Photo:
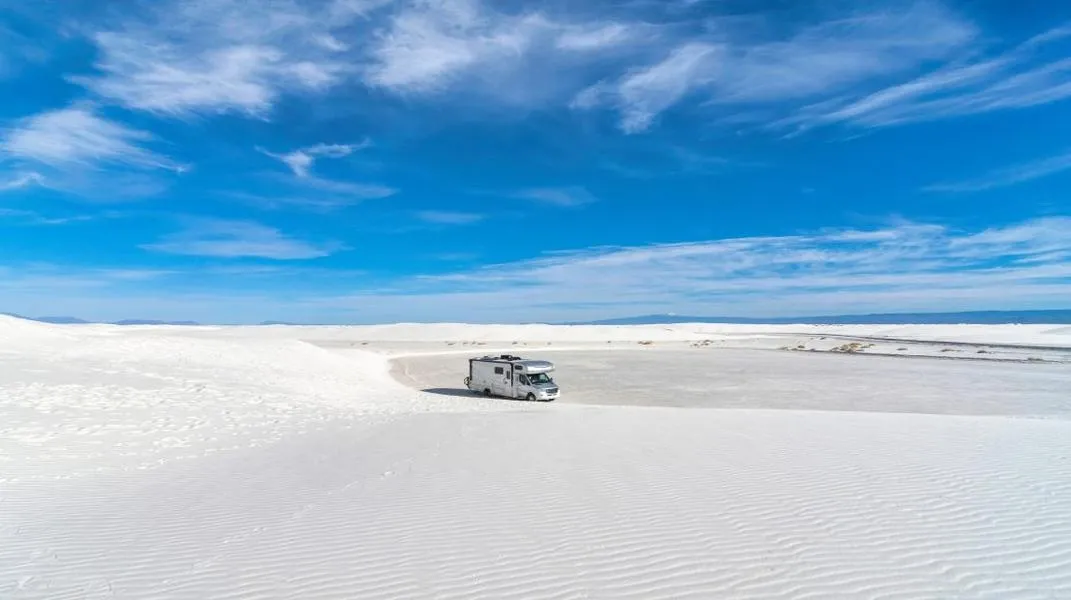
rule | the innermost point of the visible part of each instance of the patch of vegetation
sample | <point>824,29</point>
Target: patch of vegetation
<point>852,347</point>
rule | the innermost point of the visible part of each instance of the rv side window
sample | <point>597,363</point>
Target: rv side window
<point>498,370</point>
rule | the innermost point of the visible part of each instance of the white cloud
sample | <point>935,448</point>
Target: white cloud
<point>77,136</point>
<point>21,181</point>
<point>1009,176</point>
<point>443,217</point>
<point>1020,78</point>
<point>343,11</point>
<point>29,217</point>
<point>301,160</point>
<point>907,267</point>
<point>563,196</point>
<point>428,43</point>
<point>645,94</point>
<point>349,189</point>
<point>831,55</point>
<point>472,48</point>
<point>311,191</point>
<point>214,56</point>
<point>595,37</point>
<point>314,194</point>
<point>733,67</point>
<point>239,239</point>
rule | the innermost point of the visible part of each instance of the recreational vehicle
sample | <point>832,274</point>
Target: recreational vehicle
<point>512,377</point>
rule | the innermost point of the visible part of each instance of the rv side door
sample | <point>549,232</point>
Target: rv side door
<point>501,380</point>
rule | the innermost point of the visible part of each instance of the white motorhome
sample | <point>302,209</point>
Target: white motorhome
<point>512,377</point>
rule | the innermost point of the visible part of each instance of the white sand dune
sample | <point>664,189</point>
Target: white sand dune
<point>157,462</point>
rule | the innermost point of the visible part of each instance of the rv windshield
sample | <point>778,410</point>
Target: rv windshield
<point>537,378</point>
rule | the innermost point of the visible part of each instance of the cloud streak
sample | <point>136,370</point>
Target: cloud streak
<point>442,217</point>
<point>316,192</point>
<point>1009,176</point>
<point>735,68</point>
<point>904,267</point>
<point>301,160</point>
<point>558,196</point>
<point>473,49</point>
<point>239,239</point>
<point>1028,75</point>
<point>21,181</point>
<point>78,136</point>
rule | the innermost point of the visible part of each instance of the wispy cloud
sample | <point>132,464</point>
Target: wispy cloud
<point>904,267</point>
<point>319,193</point>
<point>1009,176</point>
<point>597,36</point>
<point>1023,77</point>
<point>19,49</point>
<point>443,217</point>
<point>301,160</point>
<point>735,67</point>
<point>214,56</point>
<point>472,48</point>
<point>645,94</point>
<point>77,136</point>
<point>558,196</point>
<point>21,181</point>
<point>239,239</point>
<point>33,218</point>
<point>349,189</point>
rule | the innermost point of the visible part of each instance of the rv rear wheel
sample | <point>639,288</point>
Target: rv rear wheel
<point>487,393</point>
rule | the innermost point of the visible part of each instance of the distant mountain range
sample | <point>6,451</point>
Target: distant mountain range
<point>77,321</point>
<point>990,317</point>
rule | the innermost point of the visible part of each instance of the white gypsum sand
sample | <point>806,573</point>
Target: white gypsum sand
<point>287,462</point>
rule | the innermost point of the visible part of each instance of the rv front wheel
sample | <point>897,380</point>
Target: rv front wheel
<point>487,393</point>
<point>530,397</point>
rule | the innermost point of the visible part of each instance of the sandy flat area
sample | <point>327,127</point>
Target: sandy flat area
<point>743,378</point>
<point>276,462</point>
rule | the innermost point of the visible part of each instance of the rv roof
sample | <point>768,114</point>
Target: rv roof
<point>532,366</point>
<point>537,366</point>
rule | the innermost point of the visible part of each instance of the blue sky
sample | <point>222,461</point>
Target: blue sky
<point>377,160</point>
